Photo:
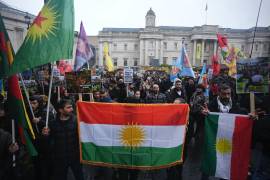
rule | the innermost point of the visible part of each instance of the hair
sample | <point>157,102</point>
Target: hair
<point>63,102</point>
<point>181,100</point>
<point>37,98</point>
<point>223,87</point>
<point>201,87</point>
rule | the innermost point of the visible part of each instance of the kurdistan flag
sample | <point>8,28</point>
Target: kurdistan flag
<point>50,37</point>
<point>132,136</point>
<point>227,145</point>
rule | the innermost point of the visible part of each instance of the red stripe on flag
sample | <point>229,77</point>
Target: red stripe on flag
<point>119,114</point>
<point>241,148</point>
<point>21,134</point>
<point>13,86</point>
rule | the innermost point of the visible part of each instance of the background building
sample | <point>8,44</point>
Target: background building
<point>155,45</point>
<point>152,45</point>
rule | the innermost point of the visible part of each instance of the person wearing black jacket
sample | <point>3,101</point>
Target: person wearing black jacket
<point>63,134</point>
<point>155,96</point>
<point>177,92</point>
<point>42,166</point>
<point>223,104</point>
<point>7,148</point>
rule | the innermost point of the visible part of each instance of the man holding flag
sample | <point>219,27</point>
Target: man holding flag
<point>228,132</point>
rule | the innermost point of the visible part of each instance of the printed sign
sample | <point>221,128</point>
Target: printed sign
<point>78,82</point>
<point>128,75</point>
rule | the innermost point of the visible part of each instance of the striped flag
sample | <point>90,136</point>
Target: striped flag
<point>227,145</point>
<point>18,112</point>
<point>204,80</point>
<point>132,136</point>
<point>185,66</point>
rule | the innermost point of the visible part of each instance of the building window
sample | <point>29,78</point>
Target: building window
<point>114,61</point>
<point>165,60</point>
<point>115,46</point>
<point>125,61</point>
<point>125,47</point>
<point>135,46</point>
<point>175,46</point>
<point>256,47</point>
<point>165,45</point>
<point>242,48</point>
<point>135,61</point>
<point>174,60</point>
<point>264,47</point>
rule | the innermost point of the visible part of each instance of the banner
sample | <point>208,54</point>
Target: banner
<point>198,51</point>
<point>135,136</point>
<point>78,82</point>
<point>253,75</point>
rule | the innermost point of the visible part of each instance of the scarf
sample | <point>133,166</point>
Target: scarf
<point>224,108</point>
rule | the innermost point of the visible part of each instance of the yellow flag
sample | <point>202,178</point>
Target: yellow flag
<point>108,59</point>
<point>198,51</point>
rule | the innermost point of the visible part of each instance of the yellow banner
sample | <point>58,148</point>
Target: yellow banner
<point>198,51</point>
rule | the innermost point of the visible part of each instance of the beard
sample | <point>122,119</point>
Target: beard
<point>225,101</point>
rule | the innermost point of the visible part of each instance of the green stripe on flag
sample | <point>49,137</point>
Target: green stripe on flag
<point>140,156</point>
<point>209,149</point>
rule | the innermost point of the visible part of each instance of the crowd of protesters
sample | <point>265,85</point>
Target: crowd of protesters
<point>58,144</point>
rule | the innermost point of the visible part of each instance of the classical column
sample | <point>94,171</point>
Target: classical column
<point>156,49</point>
<point>194,52</point>
<point>161,52</point>
<point>202,58</point>
<point>215,47</point>
<point>100,61</point>
<point>110,48</point>
<point>261,49</point>
<point>141,53</point>
<point>146,53</point>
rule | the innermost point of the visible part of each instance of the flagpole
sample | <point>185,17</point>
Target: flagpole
<point>13,142</point>
<point>28,101</point>
<point>206,8</point>
<point>254,34</point>
<point>49,96</point>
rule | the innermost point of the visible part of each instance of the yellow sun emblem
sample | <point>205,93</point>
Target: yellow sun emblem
<point>132,135</point>
<point>223,146</point>
<point>44,24</point>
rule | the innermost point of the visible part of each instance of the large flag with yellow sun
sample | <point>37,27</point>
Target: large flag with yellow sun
<point>134,136</point>
<point>49,38</point>
<point>227,145</point>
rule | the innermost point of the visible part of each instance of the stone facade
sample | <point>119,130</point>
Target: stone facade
<point>153,44</point>
<point>141,46</point>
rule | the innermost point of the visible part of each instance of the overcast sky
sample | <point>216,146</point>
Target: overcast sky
<point>97,14</point>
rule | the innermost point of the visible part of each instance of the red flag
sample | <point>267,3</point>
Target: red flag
<point>215,65</point>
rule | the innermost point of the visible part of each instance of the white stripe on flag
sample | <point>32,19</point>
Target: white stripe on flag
<point>225,131</point>
<point>109,135</point>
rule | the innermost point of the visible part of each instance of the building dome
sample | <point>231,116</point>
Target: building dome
<point>150,12</point>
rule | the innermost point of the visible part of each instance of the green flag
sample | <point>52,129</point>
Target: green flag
<point>49,38</point>
<point>6,51</point>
